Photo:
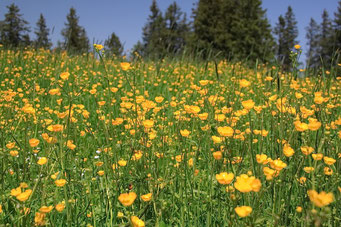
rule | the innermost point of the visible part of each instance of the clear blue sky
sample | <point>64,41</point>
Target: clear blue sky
<point>127,17</point>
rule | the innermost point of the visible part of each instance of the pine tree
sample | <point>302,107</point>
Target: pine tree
<point>113,45</point>
<point>154,32</point>
<point>287,32</point>
<point>326,39</point>
<point>42,33</point>
<point>75,39</point>
<point>14,29</point>
<point>177,29</point>
<point>313,37</point>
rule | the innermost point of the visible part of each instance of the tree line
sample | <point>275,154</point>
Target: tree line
<point>233,29</point>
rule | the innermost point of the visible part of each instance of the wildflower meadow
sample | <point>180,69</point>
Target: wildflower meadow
<point>91,141</point>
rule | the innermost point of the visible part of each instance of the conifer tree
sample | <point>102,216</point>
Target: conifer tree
<point>177,29</point>
<point>238,29</point>
<point>252,34</point>
<point>287,32</point>
<point>75,39</point>
<point>313,38</point>
<point>14,29</point>
<point>326,39</point>
<point>42,33</point>
<point>154,32</point>
<point>209,32</point>
<point>113,45</point>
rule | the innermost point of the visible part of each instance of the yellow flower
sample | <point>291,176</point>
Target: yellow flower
<point>60,207</point>
<point>278,164</point>
<point>217,155</point>
<point>314,124</point>
<point>245,183</point>
<point>300,127</point>
<point>100,173</point>
<point>46,209</point>
<point>33,142</point>
<point>16,191</point>
<point>98,47</point>
<point>10,145</point>
<point>243,211</point>
<point>225,131</point>
<point>224,177</point>
<point>185,133</point>
<point>39,219</point>
<point>307,150</point>
<point>320,199</point>
<point>329,161</point>
<point>60,182</point>
<point>159,99</point>
<point>65,75</point>
<point>1,209</point>
<point>137,222</point>
<point>24,196</point>
<point>122,162</point>
<point>55,128</point>
<point>288,151</point>
<point>54,91</point>
<point>317,157</point>
<point>248,104</point>
<point>297,47</point>
<point>216,139</point>
<point>298,209</point>
<point>146,197</point>
<point>244,83</point>
<point>261,158</point>
<point>120,215</point>
<point>127,199</point>
<point>308,169</point>
<point>148,124</point>
<point>42,161</point>
<point>125,66</point>
<point>14,153</point>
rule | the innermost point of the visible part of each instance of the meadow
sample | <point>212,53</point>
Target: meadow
<point>93,141</point>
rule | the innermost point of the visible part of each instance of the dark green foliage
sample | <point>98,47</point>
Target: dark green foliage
<point>177,30</point>
<point>287,32</point>
<point>14,30</point>
<point>326,39</point>
<point>231,28</point>
<point>313,37</point>
<point>113,45</point>
<point>154,34</point>
<point>42,33</point>
<point>337,28</point>
<point>75,39</point>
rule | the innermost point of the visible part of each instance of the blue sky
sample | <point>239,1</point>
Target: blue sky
<point>127,17</point>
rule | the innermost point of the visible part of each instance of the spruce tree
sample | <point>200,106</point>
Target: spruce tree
<point>154,34</point>
<point>113,45</point>
<point>252,35</point>
<point>231,28</point>
<point>326,39</point>
<point>75,39</point>
<point>14,29</point>
<point>287,32</point>
<point>209,36</point>
<point>42,33</point>
<point>313,38</point>
<point>177,29</point>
